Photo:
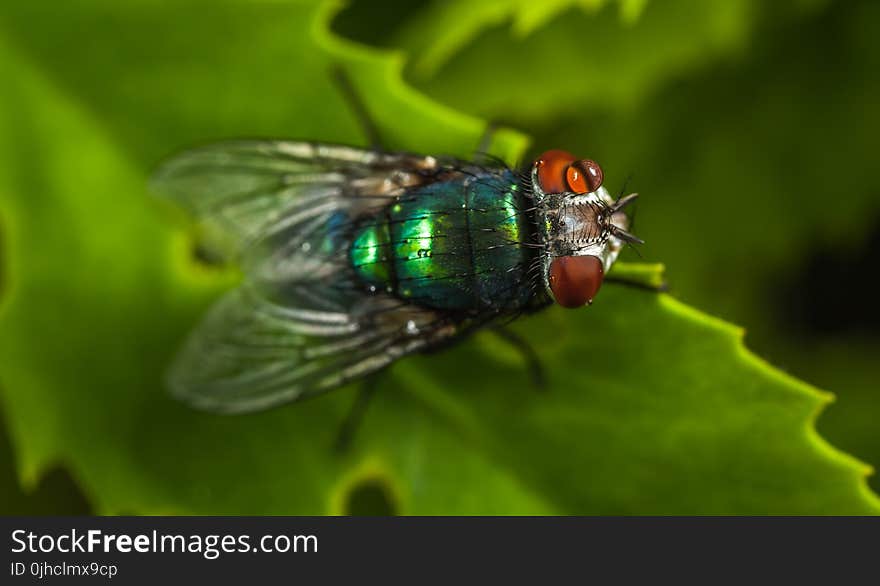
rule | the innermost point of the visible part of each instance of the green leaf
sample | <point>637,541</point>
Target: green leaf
<point>56,494</point>
<point>557,58</point>
<point>755,157</point>
<point>444,28</point>
<point>254,69</point>
<point>652,406</point>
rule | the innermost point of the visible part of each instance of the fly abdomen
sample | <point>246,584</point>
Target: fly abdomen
<point>459,244</point>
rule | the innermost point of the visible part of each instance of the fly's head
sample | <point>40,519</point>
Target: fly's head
<point>581,227</point>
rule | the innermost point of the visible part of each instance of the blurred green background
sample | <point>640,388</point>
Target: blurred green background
<point>750,129</point>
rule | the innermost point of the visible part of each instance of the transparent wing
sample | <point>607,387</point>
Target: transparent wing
<point>250,353</point>
<point>243,192</point>
<point>300,323</point>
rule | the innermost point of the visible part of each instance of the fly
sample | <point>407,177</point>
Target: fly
<point>355,258</point>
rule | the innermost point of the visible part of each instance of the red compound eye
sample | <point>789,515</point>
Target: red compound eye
<point>559,171</point>
<point>551,170</point>
<point>584,176</point>
<point>575,280</point>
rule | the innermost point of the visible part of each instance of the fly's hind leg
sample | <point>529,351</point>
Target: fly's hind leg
<point>349,426</point>
<point>533,362</point>
<point>356,104</point>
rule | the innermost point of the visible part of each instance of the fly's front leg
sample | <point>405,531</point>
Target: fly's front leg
<point>533,362</point>
<point>355,415</point>
<point>356,104</point>
<point>644,276</point>
<point>635,283</point>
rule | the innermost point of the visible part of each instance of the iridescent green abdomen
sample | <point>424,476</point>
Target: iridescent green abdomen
<point>451,245</point>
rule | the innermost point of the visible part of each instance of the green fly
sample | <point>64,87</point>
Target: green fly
<point>355,258</point>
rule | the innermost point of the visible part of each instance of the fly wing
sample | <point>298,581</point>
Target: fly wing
<point>300,323</point>
<point>250,353</point>
<point>242,192</point>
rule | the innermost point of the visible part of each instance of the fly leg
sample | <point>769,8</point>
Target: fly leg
<point>371,131</point>
<point>635,283</point>
<point>482,151</point>
<point>356,412</point>
<point>533,362</point>
<point>351,96</point>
